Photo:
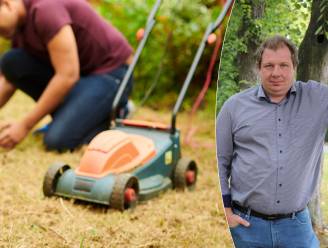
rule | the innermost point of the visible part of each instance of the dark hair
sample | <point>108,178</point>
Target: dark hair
<point>273,43</point>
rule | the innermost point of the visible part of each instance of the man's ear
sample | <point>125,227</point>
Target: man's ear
<point>256,69</point>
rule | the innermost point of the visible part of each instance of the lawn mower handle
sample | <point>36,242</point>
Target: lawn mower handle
<point>210,29</point>
<point>149,26</point>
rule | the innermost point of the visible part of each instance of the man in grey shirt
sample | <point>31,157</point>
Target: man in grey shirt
<point>269,145</point>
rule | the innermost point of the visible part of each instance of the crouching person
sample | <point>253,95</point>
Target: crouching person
<point>69,60</point>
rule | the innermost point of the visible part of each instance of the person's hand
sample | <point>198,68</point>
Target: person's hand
<point>234,219</point>
<point>12,133</point>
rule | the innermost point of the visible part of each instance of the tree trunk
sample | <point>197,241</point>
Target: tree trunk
<point>313,56</point>
<point>313,51</point>
<point>246,61</point>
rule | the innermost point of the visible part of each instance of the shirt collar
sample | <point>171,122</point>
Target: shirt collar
<point>260,93</point>
<point>293,89</point>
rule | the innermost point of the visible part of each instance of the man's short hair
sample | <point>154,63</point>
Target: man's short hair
<point>273,43</point>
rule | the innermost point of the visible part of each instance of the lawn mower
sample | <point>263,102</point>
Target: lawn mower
<point>134,160</point>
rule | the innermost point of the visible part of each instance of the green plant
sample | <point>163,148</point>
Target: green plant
<point>323,19</point>
<point>171,46</point>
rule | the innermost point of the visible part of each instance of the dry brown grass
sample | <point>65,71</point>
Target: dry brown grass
<point>174,219</point>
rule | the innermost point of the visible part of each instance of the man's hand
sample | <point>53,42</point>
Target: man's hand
<point>12,133</point>
<point>235,220</point>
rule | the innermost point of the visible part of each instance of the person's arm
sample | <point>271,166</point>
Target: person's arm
<point>64,58</point>
<point>6,91</point>
<point>224,141</point>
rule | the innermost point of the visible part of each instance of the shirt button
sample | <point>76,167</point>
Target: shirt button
<point>280,135</point>
<point>278,201</point>
<point>279,119</point>
<point>280,184</point>
<point>280,151</point>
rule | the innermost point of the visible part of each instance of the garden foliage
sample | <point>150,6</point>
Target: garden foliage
<point>165,61</point>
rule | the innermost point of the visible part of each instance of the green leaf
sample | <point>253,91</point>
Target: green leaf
<point>297,6</point>
<point>319,30</point>
<point>322,9</point>
<point>320,18</point>
<point>323,3</point>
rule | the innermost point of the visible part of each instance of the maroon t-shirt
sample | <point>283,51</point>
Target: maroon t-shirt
<point>101,47</point>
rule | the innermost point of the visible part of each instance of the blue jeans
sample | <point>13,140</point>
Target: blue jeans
<point>294,232</point>
<point>85,111</point>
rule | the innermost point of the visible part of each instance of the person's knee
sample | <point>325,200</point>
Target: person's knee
<point>52,142</point>
<point>58,142</point>
<point>9,64</point>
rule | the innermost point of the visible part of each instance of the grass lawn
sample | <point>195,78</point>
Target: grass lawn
<point>174,219</point>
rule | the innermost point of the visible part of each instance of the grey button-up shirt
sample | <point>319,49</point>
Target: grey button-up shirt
<point>269,154</point>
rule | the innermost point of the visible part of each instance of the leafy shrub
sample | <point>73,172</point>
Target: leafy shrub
<point>171,46</point>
